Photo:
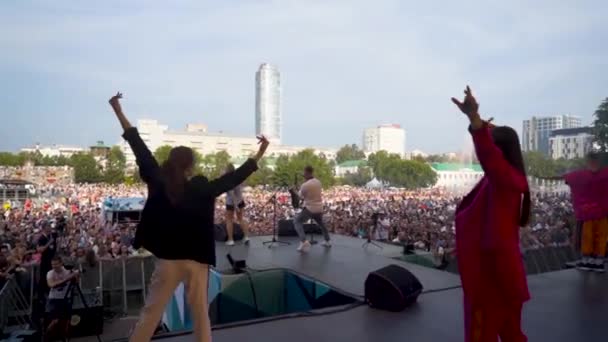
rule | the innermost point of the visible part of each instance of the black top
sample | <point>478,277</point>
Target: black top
<point>185,230</point>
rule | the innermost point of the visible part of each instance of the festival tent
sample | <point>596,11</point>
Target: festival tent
<point>374,184</point>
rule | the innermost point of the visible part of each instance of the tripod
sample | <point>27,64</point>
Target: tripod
<point>69,296</point>
<point>369,239</point>
<point>274,240</point>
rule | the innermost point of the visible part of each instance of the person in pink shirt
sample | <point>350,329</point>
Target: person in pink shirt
<point>589,189</point>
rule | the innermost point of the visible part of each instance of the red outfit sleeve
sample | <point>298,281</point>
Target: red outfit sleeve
<point>494,164</point>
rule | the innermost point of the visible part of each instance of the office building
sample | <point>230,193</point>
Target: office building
<point>389,138</point>
<point>268,103</point>
<point>537,131</point>
<point>570,143</point>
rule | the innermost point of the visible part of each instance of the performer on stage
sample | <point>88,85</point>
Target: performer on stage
<point>311,193</point>
<point>235,203</point>
<point>589,190</point>
<point>487,233</point>
<point>177,227</point>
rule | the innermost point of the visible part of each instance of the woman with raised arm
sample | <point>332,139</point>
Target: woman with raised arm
<point>177,227</point>
<point>487,233</point>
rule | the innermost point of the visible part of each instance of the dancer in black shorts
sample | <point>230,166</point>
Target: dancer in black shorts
<point>235,203</point>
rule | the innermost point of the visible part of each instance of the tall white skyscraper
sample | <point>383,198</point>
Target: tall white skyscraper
<point>537,131</point>
<point>390,138</point>
<point>268,102</point>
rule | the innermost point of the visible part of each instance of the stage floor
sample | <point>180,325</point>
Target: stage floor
<point>567,305</point>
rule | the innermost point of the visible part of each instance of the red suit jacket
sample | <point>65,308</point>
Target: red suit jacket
<point>487,230</point>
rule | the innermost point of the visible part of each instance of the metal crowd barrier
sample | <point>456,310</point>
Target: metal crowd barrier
<point>123,283</point>
<point>15,311</point>
<point>541,260</point>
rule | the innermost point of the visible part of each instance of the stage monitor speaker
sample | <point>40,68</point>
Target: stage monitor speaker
<point>286,228</point>
<point>221,235</point>
<point>391,288</point>
<point>86,321</point>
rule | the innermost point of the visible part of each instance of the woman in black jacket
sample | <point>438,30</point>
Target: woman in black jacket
<point>177,227</point>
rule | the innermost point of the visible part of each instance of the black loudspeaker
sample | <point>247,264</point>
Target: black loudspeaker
<point>221,235</point>
<point>86,322</point>
<point>391,288</point>
<point>286,228</point>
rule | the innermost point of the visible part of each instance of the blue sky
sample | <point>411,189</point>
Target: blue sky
<point>345,65</point>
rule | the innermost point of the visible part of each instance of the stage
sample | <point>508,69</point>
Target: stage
<point>566,305</point>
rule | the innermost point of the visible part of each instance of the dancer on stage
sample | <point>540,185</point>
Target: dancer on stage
<point>177,227</point>
<point>589,190</point>
<point>235,203</point>
<point>311,192</point>
<point>487,233</point>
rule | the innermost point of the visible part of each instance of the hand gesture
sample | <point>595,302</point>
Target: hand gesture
<point>115,100</point>
<point>469,106</point>
<point>263,142</point>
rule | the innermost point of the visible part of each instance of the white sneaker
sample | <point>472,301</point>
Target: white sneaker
<point>230,243</point>
<point>246,240</point>
<point>326,244</point>
<point>304,246</point>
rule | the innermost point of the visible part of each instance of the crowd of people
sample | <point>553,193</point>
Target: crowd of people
<point>424,218</point>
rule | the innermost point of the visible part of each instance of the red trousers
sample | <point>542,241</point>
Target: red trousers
<point>485,323</point>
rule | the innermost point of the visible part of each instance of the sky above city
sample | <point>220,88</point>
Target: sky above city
<point>345,66</point>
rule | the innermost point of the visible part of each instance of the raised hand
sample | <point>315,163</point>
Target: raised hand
<point>115,103</point>
<point>469,106</point>
<point>263,142</point>
<point>115,100</point>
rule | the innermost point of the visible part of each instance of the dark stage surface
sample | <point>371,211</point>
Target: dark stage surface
<point>566,305</point>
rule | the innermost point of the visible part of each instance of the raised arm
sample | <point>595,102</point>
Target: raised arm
<point>491,158</point>
<point>231,180</point>
<point>148,167</point>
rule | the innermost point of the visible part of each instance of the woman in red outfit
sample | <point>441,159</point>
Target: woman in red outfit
<point>487,233</point>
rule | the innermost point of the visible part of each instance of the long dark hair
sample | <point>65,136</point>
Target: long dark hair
<point>506,139</point>
<point>174,172</point>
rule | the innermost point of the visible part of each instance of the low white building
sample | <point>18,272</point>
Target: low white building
<point>457,176</point>
<point>570,143</point>
<point>349,166</point>
<point>54,150</point>
<point>197,137</point>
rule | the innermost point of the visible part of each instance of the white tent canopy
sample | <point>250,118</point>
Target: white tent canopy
<point>374,183</point>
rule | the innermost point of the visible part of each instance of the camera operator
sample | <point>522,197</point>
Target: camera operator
<point>58,305</point>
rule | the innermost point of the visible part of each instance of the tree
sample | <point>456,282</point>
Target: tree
<point>359,178</point>
<point>86,169</point>
<point>162,153</point>
<point>214,165</point>
<point>411,174</point>
<point>10,159</point>
<point>263,176</point>
<point>289,169</point>
<point>600,126</point>
<point>349,152</point>
<point>538,165</point>
<point>115,167</point>
<point>283,175</point>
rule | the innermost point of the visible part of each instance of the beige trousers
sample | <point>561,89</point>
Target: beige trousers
<point>166,277</point>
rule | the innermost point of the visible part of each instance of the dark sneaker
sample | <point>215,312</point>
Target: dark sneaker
<point>598,265</point>
<point>584,265</point>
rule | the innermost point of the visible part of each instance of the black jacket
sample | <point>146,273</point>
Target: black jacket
<point>186,230</point>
